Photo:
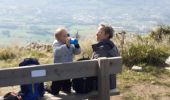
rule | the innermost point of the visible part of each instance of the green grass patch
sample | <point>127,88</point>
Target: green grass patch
<point>6,54</point>
<point>132,96</point>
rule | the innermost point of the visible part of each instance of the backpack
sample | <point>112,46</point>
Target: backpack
<point>31,91</point>
<point>82,85</point>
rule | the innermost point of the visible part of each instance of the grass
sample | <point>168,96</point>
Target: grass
<point>6,54</point>
<point>129,77</point>
<point>10,57</point>
<point>143,51</point>
<point>144,85</point>
<point>132,96</point>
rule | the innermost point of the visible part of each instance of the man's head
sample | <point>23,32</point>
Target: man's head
<point>61,35</point>
<point>104,32</point>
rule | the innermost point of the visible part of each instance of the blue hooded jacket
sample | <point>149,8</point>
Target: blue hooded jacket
<point>31,91</point>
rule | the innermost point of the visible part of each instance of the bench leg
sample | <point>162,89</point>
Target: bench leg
<point>103,79</point>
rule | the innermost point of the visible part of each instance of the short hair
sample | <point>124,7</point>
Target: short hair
<point>108,30</point>
<point>59,31</point>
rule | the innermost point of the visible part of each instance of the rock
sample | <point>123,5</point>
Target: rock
<point>137,68</point>
<point>167,68</point>
<point>168,61</point>
<point>153,82</point>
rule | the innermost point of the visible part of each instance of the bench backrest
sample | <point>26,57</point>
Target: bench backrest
<point>101,67</point>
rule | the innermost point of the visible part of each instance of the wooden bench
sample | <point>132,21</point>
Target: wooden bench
<point>101,67</point>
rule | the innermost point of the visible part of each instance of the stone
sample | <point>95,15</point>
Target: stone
<point>153,82</point>
<point>167,68</point>
<point>137,68</point>
<point>168,61</point>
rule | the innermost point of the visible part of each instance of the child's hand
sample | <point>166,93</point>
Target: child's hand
<point>68,41</point>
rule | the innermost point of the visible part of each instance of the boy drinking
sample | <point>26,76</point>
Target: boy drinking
<point>64,51</point>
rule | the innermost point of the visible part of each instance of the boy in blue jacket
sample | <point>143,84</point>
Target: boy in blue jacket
<point>31,91</point>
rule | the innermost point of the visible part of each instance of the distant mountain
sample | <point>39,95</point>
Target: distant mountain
<point>117,12</point>
<point>131,15</point>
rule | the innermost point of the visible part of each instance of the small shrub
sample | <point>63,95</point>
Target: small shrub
<point>6,54</point>
<point>160,32</point>
<point>86,49</point>
<point>37,54</point>
<point>148,54</point>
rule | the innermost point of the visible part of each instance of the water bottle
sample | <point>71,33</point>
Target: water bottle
<point>73,41</point>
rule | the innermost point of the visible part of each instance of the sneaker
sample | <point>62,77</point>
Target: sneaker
<point>67,92</point>
<point>114,92</point>
<point>49,91</point>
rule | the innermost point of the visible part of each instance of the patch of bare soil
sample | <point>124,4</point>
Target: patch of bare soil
<point>147,91</point>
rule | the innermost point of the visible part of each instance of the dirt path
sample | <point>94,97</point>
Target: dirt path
<point>136,92</point>
<point>140,91</point>
<point>147,91</point>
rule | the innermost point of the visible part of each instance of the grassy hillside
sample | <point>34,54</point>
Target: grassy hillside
<point>149,52</point>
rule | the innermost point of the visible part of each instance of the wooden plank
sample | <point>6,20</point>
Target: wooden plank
<point>18,76</point>
<point>115,64</point>
<point>103,79</point>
